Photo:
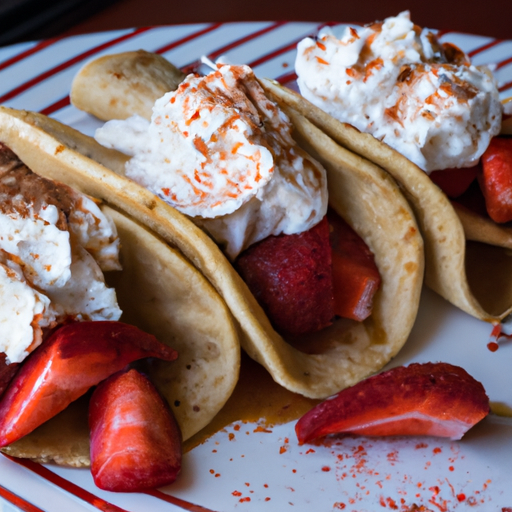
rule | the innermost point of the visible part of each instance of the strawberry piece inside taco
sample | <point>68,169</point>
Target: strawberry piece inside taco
<point>263,184</point>
<point>448,114</point>
<point>220,152</point>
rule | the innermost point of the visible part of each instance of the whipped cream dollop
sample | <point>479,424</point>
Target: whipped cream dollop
<point>219,151</point>
<point>54,245</point>
<point>397,82</point>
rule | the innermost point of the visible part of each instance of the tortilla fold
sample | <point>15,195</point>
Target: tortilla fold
<point>453,268</point>
<point>158,290</point>
<point>346,352</point>
<point>132,79</point>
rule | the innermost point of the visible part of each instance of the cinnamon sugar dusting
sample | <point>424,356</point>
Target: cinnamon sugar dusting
<point>54,242</point>
<point>219,150</point>
<point>420,96</point>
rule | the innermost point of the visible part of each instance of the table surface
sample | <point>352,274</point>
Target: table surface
<point>489,17</point>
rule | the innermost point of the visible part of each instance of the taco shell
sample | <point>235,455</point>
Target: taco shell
<point>347,351</point>
<point>463,273</point>
<point>362,193</point>
<point>132,79</point>
<point>160,292</point>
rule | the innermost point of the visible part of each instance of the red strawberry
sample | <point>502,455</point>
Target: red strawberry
<point>291,278</point>
<point>496,179</point>
<point>73,359</point>
<point>454,182</point>
<point>135,440</point>
<point>473,200</point>
<point>435,399</point>
<point>355,275</point>
<point>7,372</point>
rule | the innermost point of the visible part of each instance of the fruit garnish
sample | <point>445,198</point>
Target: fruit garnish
<point>454,182</point>
<point>431,399</point>
<point>7,372</point>
<point>496,179</point>
<point>473,200</point>
<point>291,277</point>
<point>355,275</point>
<point>69,362</point>
<point>135,440</point>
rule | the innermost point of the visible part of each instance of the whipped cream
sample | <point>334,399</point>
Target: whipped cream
<point>24,313</point>
<point>396,81</point>
<point>53,247</point>
<point>219,151</point>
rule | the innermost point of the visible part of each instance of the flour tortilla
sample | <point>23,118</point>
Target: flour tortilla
<point>108,86</point>
<point>160,292</point>
<point>463,273</point>
<point>363,194</point>
<point>346,352</point>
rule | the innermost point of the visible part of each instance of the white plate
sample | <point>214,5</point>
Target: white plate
<point>244,469</point>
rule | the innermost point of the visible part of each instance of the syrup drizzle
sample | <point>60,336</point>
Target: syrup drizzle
<point>496,336</point>
<point>86,496</point>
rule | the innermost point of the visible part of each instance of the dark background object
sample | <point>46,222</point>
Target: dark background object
<point>488,18</point>
<point>22,20</point>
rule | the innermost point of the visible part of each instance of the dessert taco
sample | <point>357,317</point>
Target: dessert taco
<point>339,352</point>
<point>150,285</point>
<point>424,99</point>
<point>133,79</point>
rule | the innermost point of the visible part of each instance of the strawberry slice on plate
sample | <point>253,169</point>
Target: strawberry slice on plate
<point>433,399</point>
<point>71,360</point>
<point>135,440</point>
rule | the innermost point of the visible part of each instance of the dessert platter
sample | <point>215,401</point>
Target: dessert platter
<point>244,374</point>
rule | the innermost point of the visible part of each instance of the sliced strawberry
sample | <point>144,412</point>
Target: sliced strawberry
<point>291,277</point>
<point>454,182</point>
<point>69,362</point>
<point>7,372</point>
<point>473,200</point>
<point>496,179</point>
<point>434,399</point>
<point>135,440</point>
<point>355,275</point>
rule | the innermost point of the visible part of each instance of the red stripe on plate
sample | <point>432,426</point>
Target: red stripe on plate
<point>245,39</point>
<point>184,40</point>
<point>64,102</point>
<point>90,498</point>
<point>503,63</point>
<point>192,67</point>
<point>27,53</point>
<point>289,77</point>
<point>47,74</point>
<point>286,48</point>
<point>17,501</point>
<point>177,501</point>
<point>50,109</point>
<point>481,49</point>
<point>504,87</point>
<point>66,485</point>
<point>273,54</point>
